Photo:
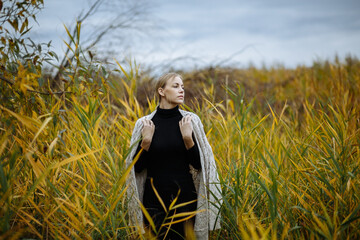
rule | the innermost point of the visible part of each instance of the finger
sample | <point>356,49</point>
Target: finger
<point>182,122</point>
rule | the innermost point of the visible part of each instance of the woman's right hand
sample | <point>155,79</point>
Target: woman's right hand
<point>147,133</point>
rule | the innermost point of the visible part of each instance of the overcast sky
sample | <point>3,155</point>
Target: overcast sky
<point>199,33</point>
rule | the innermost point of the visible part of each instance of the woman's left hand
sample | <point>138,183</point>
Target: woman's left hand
<point>186,130</point>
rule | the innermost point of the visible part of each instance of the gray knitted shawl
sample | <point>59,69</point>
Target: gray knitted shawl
<point>206,181</point>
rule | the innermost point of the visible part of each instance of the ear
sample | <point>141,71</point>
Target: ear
<point>161,92</point>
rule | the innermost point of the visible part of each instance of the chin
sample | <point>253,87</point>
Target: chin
<point>178,102</point>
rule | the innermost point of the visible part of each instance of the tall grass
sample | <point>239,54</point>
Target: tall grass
<point>288,155</point>
<point>282,181</point>
<point>285,183</point>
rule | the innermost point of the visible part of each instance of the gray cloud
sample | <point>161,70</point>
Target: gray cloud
<point>291,32</point>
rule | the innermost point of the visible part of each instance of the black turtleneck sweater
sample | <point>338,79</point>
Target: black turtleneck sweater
<point>167,161</point>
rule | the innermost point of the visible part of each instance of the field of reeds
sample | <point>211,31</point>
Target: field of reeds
<point>286,143</point>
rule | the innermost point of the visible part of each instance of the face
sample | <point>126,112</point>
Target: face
<point>173,93</point>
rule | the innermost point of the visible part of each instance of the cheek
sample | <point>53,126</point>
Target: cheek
<point>170,93</point>
<point>173,92</point>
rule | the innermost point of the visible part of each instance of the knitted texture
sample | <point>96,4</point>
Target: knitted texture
<point>206,181</point>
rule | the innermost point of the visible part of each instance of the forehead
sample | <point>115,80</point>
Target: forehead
<point>175,80</point>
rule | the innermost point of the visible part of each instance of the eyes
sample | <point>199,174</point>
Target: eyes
<point>177,86</point>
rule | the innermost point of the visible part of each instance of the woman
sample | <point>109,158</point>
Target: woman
<point>177,161</point>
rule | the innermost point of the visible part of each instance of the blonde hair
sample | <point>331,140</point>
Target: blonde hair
<point>161,83</point>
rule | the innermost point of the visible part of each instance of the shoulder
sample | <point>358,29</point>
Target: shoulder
<point>139,122</point>
<point>194,116</point>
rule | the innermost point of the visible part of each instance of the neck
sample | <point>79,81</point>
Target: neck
<point>166,105</point>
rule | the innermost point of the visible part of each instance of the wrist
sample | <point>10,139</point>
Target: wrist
<point>145,144</point>
<point>189,142</point>
<point>146,140</point>
<point>187,138</point>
